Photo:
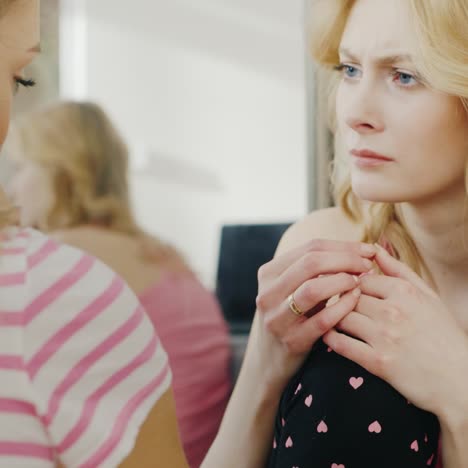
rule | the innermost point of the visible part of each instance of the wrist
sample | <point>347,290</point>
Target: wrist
<point>453,413</point>
<point>454,418</point>
<point>264,382</point>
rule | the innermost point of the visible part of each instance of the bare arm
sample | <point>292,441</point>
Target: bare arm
<point>279,342</point>
<point>158,444</point>
<point>247,426</point>
<point>454,430</point>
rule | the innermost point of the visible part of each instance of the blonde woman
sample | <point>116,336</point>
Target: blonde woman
<point>401,122</point>
<point>72,183</point>
<point>84,381</point>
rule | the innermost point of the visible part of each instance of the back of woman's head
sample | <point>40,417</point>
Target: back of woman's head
<point>441,56</point>
<point>87,161</point>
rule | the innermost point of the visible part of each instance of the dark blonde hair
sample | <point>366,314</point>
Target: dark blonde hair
<point>88,162</point>
<point>87,159</point>
<point>442,58</point>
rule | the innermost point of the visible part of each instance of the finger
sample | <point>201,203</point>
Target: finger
<point>312,294</point>
<point>370,306</point>
<point>281,262</point>
<point>303,336</point>
<point>390,266</point>
<point>354,350</point>
<point>318,290</point>
<point>312,265</point>
<point>358,326</point>
<point>379,286</point>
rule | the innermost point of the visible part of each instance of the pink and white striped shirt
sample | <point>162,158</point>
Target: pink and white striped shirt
<point>80,364</point>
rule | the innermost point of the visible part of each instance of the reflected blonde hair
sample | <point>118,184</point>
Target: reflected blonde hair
<point>442,59</point>
<point>87,159</point>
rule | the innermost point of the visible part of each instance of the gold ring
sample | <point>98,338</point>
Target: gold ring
<point>294,307</point>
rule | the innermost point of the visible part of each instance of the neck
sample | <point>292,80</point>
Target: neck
<point>439,229</point>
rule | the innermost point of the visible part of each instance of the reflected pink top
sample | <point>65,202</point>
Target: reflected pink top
<point>196,338</point>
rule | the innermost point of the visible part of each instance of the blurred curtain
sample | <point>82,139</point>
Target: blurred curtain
<point>319,136</point>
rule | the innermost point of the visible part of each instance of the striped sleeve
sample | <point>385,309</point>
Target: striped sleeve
<point>96,366</point>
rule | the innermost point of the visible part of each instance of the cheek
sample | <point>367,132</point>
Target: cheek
<point>440,133</point>
<point>5,108</point>
<point>340,105</point>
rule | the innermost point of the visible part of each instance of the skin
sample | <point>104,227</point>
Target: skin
<point>412,336</point>
<point>31,190</point>
<point>158,444</point>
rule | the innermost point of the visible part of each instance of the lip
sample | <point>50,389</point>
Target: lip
<point>368,158</point>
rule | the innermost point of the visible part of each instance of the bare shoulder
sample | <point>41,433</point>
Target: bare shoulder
<point>329,223</point>
<point>114,249</point>
<point>140,261</point>
<point>86,238</point>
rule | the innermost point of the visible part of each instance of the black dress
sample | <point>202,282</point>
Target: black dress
<point>335,414</point>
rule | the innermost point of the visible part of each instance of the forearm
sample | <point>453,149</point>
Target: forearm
<point>246,433</point>
<point>454,428</point>
<point>455,445</point>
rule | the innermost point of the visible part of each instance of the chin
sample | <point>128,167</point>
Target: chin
<point>377,193</point>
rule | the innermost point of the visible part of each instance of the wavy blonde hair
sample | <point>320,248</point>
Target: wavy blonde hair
<point>442,58</point>
<point>87,159</point>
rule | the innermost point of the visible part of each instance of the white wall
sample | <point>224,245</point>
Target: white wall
<point>210,94</point>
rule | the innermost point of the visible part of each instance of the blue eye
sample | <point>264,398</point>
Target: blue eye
<point>404,79</point>
<point>347,70</point>
<point>350,71</point>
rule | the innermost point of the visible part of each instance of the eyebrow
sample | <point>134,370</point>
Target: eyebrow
<point>384,60</point>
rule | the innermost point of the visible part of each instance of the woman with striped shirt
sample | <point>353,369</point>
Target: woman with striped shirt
<point>84,380</point>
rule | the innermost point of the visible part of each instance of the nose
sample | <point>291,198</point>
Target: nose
<point>363,112</point>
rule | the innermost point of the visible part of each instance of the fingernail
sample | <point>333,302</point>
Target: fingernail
<point>380,248</point>
<point>356,292</point>
<point>355,278</point>
<point>367,249</point>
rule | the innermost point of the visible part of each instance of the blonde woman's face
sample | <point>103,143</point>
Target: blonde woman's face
<point>406,142</point>
<point>31,189</point>
<point>19,43</point>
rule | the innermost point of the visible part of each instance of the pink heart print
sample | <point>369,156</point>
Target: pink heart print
<point>429,462</point>
<point>298,389</point>
<point>425,437</point>
<point>283,422</point>
<point>274,443</point>
<point>375,427</point>
<point>289,443</point>
<point>356,382</point>
<point>322,427</point>
<point>415,446</point>
<point>335,465</point>
<point>308,401</point>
